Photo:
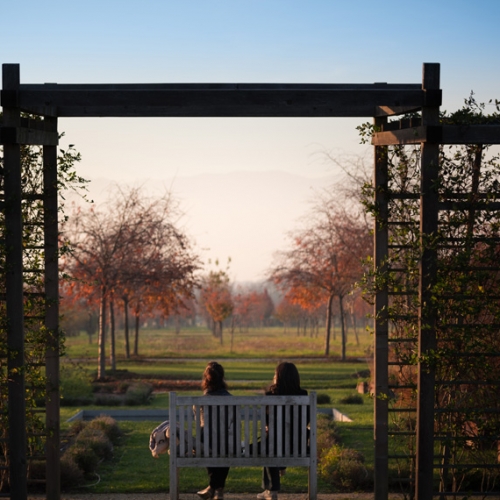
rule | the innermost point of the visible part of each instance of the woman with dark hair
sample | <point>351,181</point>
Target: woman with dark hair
<point>286,382</point>
<point>213,384</point>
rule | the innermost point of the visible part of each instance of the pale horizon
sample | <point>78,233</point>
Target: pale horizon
<point>248,41</point>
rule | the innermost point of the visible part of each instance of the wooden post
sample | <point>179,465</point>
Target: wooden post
<point>14,287</point>
<point>427,313</point>
<point>313,471</point>
<point>52,405</point>
<point>173,484</point>
<point>381,348</point>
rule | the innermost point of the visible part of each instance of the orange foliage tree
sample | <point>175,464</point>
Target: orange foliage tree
<point>216,300</point>
<point>324,260</point>
<point>129,247</point>
<point>252,308</point>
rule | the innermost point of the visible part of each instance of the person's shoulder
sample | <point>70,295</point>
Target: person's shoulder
<point>220,392</point>
<point>303,392</point>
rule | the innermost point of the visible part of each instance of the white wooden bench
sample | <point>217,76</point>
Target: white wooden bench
<point>238,424</point>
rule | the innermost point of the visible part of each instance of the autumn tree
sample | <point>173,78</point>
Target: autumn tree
<point>288,313</point>
<point>216,299</point>
<point>325,257</point>
<point>130,244</point>
<point>252,307</point>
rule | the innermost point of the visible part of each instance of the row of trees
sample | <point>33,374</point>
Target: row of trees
<point>129,255</point>
<point>326,256</point>
<point>132,251</point>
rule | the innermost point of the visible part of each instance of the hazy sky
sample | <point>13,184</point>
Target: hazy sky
<point>242,41</point>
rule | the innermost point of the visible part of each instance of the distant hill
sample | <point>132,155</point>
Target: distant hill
<point>243,215</point>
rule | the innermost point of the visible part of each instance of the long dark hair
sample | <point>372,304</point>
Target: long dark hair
<point>213,377</point>
<point>286,380</point>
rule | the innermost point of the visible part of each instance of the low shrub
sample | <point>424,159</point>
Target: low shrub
<point>76,386</point>
<point>97,440</point>
<point>103,388</point>
<point>77,401</point>
<point>353,399</point>
<point>101,399</point>
<point>327,435</point>
<point>344,469</point>
<point>138,394</point>
<point>109,426</point>
<point>76,427</point>
<point>135,395</point>
<point>71,474</point>
<point>89,443</point>
<point>84,457</point>
<point>323,399</point>
<point>123,387</point>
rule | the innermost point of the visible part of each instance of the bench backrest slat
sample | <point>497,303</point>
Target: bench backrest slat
<point>242,426</point>
<point>243,431</point>
<point>303,437</point>
<point>198,432</point>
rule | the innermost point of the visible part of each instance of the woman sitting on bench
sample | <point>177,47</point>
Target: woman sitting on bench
<point>286,382</point>
<point>213,384</point>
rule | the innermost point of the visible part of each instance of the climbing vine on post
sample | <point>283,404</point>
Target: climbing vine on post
<point>34,298</point>
<point>465,297</point>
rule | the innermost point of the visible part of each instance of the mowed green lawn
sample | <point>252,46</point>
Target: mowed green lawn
<point>254,343</point>
<point>135,470</point>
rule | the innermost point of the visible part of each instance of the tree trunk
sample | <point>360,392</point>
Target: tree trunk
<point>342,326</point>
<point>213,327</point>
<point>101,364</point>
<point>136,336</point>
<point>127,341</point>
<point>328,324</point>
<point>232,334</point>
<point>220,331</point>
<point>112,353</point>
<point>90,329</point>
<point>354,325</point>
<point>112,344</point>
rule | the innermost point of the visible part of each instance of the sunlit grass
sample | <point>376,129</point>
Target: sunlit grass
<point>249,367</point>
<point>199,343</point>
<point>134,470</point>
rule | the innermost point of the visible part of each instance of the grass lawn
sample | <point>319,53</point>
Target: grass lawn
<point>183,357</point>
<point>134,470</point>
<point>199,343</point>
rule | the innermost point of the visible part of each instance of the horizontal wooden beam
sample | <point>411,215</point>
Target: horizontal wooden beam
<point>468,205</point>
<point>408,136</point>
<point>28,136</point>
<point>445,134</point>
<point>381,111</point>
<point>219,100</point>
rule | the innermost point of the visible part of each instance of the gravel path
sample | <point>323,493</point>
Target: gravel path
<point>228,496</point>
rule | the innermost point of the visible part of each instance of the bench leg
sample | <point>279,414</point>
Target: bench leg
<point>174,483</point>
<point>313,483</point>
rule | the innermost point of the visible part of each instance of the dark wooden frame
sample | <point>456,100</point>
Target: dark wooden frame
<point>379,101</point>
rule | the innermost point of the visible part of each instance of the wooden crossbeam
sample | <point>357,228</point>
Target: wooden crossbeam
<point>442,134</point>
<point>28,136</point>
<point>216,100</point>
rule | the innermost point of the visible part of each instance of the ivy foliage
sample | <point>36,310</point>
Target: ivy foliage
<point>34,303</point>
<point>465,298</point>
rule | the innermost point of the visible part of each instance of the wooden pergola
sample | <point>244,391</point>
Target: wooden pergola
<point>52,101</point>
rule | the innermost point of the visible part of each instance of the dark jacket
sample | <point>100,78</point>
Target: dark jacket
<point>289,436</point>
<point>227,422</point>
